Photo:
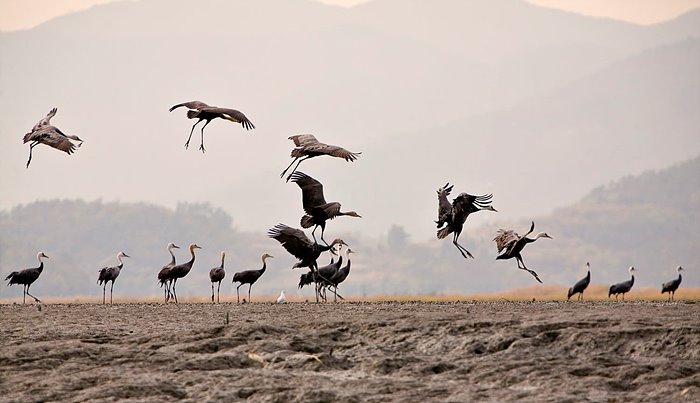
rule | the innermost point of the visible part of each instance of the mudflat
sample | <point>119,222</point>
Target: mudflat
<point>354,352</point>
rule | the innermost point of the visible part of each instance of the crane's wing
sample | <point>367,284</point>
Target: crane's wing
<point>198,105</point>
<point>311,190</point>
<point>45,121</point>
<point>330,210</point>
<point>321,148</point>
<point>444,206</point>
<point>230,114</point>
<point>465,204</point>
<point>505,239</point>
<point>53,137</point>
<point>303,139</point>
<point>293,240</point>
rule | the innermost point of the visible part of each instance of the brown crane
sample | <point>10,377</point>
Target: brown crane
<point>44,133</point>
<point>27,277</point>
<point>201,111</point>
<point>308,147</point>
<point>216,275</point>
<point>181,270</point>
<point>454,215</point>
<point>250,276</point>
<point>317,210</point>
<point>511,244</point>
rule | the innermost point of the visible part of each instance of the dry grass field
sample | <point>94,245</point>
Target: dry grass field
<point>352,351</point>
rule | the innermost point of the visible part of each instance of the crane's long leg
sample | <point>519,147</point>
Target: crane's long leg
<point>323,229</point>
<point>249,287</point>
<point>218,293</point>
<point>35,298</point>
<point>24,294</point>
<point>295,168</point>
<point>31,147</point>
<point>461,248</point>
<point>201,146</point>
<point>212,292</point>
<point>104,291</point>
<point>173,290</point>
<point>191,131</point>
<point>520,260</point>
<point>238,297</point>
<point>111,292</point>
<point>290,165</point>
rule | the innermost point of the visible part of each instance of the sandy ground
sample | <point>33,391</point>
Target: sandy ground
<point>354,352</point>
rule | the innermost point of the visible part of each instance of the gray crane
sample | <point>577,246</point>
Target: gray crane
<point>181,270</point>
<point>250,276</point>
<point>216,275</point>
<point>163,274</point>
<point>341,275</point>
<point>27,277</point>
<point>308,147</point>
<point>671,286</point>
<point>300,246</point>
<point>317,210</point>
<point>511,244</point>
<point>110,274</point>
<point>580,285</point>
<point>623,287</point>
<point>201,111</point>
<point>454,215</point>
<point>44,133</point>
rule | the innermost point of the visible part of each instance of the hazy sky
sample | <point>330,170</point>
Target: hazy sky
<point>23,14</point>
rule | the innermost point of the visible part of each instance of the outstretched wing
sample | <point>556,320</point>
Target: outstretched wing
<point>230,114</point>
<point>53,137</point>
<point>45,121</point>
<point>198,105</point>
<point>330,210</point>
<point>293,240</point>
<point>505,239</point>
<point>302,139</point>
<point>465,204</point>
<point>311,190</point>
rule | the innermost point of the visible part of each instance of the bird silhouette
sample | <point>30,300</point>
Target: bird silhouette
<point>27,277</point>
<point>454,215</point>
<point>317,210</point>
<point>308,147</point>
<point>216,275</point>
<point>44,133</point>
<point>110,274</point>
<point>250,276</point>
<point>511,244</point>
<point>201,111</point>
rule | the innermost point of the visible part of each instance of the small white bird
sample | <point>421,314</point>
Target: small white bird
<point>282,298</point>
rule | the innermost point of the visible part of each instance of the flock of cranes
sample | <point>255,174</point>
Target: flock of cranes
<point>317,212</point>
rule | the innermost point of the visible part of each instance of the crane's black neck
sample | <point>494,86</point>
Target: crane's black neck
<point>120,265</point>
<point>41,266</point>
<point>262,270</point>
<point>632,279</point>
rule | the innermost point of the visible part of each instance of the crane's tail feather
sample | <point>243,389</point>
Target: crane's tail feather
<point>192,114</point>
<point>444,232</point>
<point>307,221</point>
<point>11,277</point>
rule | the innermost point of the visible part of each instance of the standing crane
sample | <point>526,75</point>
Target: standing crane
<point>201,111</point>
<point>623,287</point>
<point>454,215</point>
<point>511,244</point>
<point>163,274</point>
<point>580,285</point>
<point>308,147</point>
<point>300,246</point>
<point>216,275</point>
<point>317,210</point>
<point>110,274</point>
<point>671,286</point>
<point>181,270</point>
<point>250,276</point>
<point>44,133</point>
<point>27,277</point>
<point>341,275</point>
